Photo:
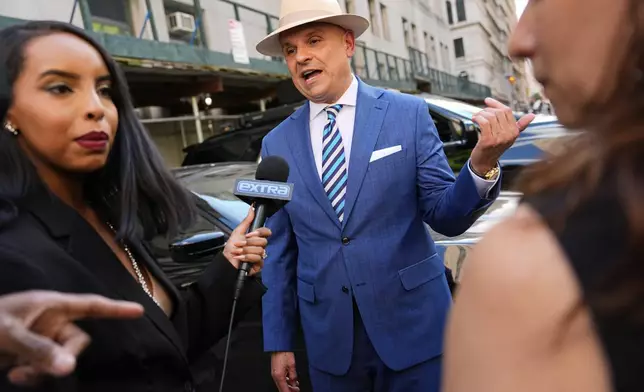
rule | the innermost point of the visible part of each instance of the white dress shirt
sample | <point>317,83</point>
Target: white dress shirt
<point>346,120</point>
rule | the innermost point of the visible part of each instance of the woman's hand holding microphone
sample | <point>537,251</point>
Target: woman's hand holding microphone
<point>243,247</point>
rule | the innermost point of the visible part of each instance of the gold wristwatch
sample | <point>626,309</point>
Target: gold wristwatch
<point>490,174</point>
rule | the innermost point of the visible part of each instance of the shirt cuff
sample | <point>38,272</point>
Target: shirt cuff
<point>483,186</point>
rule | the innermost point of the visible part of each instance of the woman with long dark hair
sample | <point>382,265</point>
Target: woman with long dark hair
<point>553,298</point>
<point>81,190</point>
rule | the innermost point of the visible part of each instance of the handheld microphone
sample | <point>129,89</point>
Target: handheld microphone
<point>268,192</point>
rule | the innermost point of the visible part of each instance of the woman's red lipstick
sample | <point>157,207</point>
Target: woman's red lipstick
<point>94,141</point>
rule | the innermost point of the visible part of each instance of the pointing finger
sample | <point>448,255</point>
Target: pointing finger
<point>94,306</point>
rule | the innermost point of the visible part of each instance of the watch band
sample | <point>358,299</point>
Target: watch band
<point>488,175</point>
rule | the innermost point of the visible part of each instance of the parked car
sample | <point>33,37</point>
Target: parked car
<point>544,134</point>
<point>220,211</point>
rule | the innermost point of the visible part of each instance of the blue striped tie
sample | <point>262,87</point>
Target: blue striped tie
<point>334,164</point>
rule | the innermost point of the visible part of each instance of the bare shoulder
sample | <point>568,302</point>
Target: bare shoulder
<point>520,266</point>
<point>506,331</point>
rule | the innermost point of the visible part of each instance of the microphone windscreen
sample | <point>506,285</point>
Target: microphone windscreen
<point>272,168</point>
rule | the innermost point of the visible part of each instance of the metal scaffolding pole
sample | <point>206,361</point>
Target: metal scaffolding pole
<point>202,30</point>
<point>195,111</point>
<point>87,15</point>
<point>153,24</point>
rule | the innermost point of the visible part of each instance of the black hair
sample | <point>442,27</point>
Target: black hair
<point>134,189</point>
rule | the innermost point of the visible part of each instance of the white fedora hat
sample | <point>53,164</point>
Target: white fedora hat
<point>295,13</point>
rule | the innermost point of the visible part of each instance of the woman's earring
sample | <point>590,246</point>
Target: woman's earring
<point>9,127</point>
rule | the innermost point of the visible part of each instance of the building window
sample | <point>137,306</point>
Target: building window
<point>434,56</point>
<point>450,16</point>
<point>414,36</point>
<point>384,16</point>
<point>111,17</point>
<point>460,10</point>
<point>350,6</point>
<point>406,32</point>
<point>373,18</point>
<point>459,49</point>
<point>445,55</point>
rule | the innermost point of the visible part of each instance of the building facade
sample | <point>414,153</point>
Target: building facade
<point>480,31</point>
<point>192,66</point>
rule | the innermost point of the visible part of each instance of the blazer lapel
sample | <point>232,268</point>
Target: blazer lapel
<point>300,145</point>
<point>370,114</point>
<point>87,247</point>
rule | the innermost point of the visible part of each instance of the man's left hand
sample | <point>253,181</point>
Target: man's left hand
<point>499,130</point>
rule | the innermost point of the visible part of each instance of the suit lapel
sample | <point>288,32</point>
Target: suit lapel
<point>87,247</point>
<point>370,114</point>
<point>300,145</point>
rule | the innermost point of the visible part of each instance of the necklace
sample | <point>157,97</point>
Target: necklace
<point>137,270</point>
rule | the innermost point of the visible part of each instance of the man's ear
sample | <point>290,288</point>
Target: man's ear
<point>349,43</point>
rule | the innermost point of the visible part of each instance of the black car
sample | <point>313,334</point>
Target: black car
<point>243,142</point>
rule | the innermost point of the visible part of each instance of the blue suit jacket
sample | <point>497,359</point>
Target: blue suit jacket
<point>387,260</point>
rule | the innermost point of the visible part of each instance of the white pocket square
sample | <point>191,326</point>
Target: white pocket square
<point>379,154</point>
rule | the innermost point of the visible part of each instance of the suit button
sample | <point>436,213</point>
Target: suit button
<point>345,289</point>
<point>345,241</point>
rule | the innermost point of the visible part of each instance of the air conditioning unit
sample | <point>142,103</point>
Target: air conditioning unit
<point>181,23</point>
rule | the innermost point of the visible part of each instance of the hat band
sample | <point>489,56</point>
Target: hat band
<point>298,16</point>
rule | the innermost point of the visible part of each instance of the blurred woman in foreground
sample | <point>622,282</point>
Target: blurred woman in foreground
<point>553,298</point>
<point>81,189</point>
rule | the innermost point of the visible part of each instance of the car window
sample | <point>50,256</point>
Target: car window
<point>442,126</point>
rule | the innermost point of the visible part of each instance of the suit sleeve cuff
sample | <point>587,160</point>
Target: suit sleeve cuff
<point>483,186</point>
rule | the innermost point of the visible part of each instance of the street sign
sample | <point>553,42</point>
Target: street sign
<point>238,42</point>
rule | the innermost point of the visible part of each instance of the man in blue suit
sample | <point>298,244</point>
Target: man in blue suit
<point>350,252</point>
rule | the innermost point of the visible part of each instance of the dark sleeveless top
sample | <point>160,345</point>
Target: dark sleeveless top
<point>594,238</point>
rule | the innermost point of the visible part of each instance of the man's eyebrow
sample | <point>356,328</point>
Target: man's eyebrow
<point>315,31</point>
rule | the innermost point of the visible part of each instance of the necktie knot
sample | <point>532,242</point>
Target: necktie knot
<point>332,111</point>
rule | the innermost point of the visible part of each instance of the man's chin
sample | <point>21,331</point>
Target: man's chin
<point>316,94</point>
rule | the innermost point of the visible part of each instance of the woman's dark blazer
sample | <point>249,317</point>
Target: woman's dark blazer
<point>50,246</point>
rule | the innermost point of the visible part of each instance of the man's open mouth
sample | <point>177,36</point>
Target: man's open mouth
<point>310,73</point>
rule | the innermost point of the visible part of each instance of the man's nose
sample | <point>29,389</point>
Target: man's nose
<point>303,55</point>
